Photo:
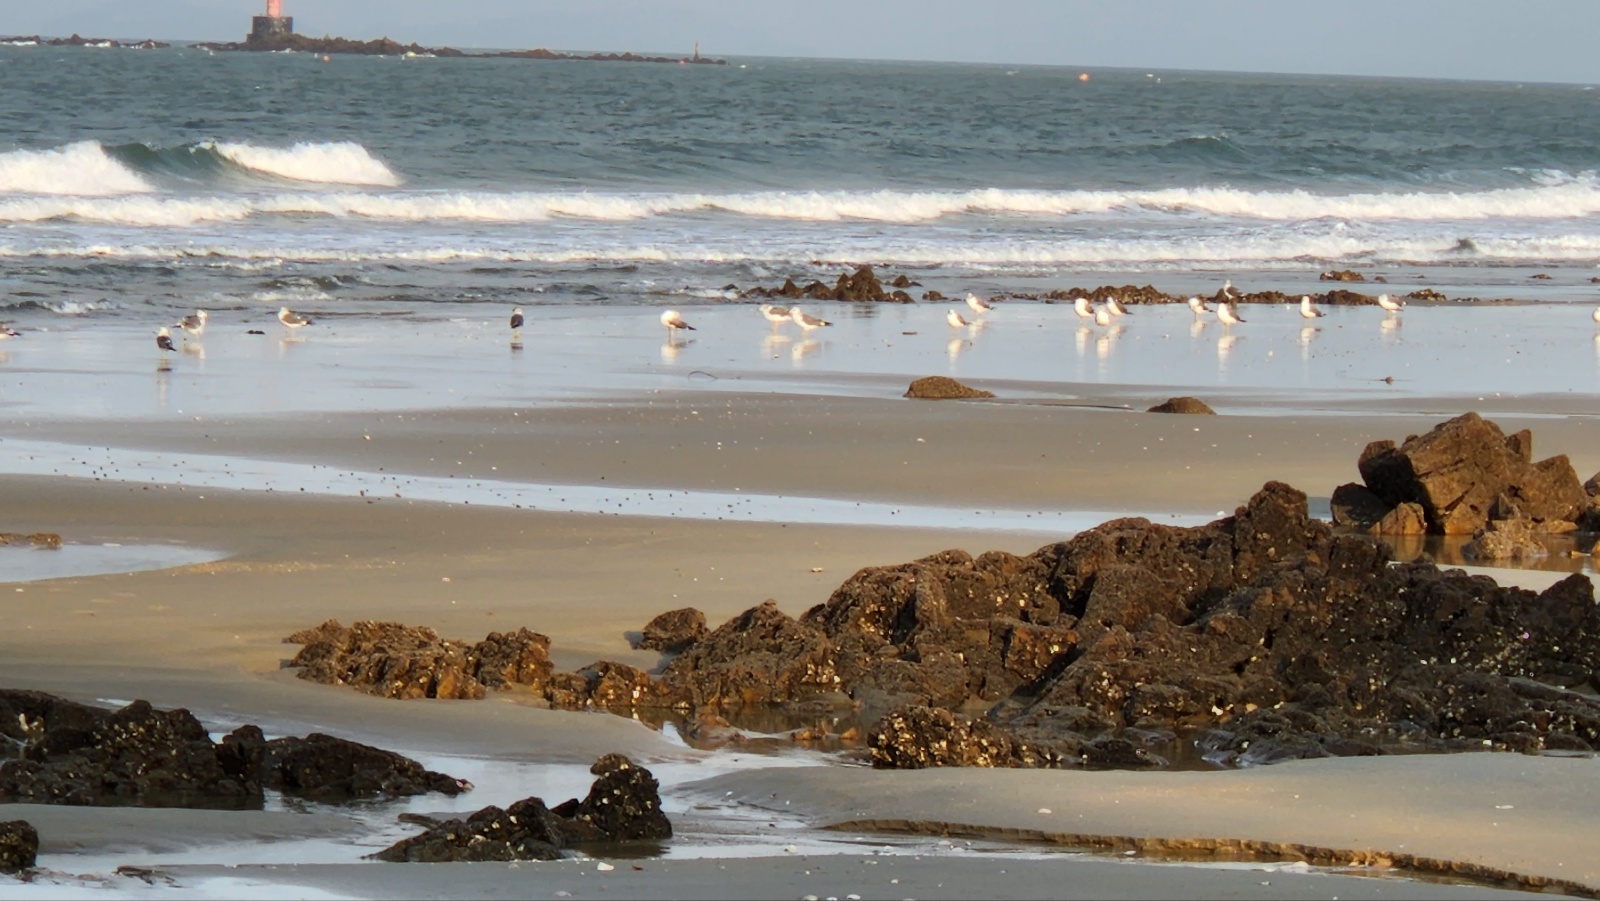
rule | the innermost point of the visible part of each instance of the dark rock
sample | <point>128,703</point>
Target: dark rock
<point>1457,470</point>
<point>516,658</point>
<point>323,768</point>
<point>1183,405</point>
<point>1425,294</point>
<point>939,387</point>
<point>1342,275</point>
<point>761,656</point>
<point>932,295</point>
<point>19,846</point>
<point>917,738</point>
<point>47,540</point>
<point>389,660</point>
<point>1353,506</point>
<point>623,805</point>
<point>674,631</point>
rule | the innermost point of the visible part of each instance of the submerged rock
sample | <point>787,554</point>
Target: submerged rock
<point>623,805</point>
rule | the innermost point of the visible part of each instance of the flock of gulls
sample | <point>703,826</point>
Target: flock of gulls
<point>1104,315</point>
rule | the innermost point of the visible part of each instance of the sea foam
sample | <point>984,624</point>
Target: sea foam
<point>343,163</point>
<point>81,169</point>
<point>1572,198</point>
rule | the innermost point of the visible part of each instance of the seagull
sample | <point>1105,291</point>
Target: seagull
<point>164,340</point>
<point>1595,314</point>
<point>291,319</point>
<point>1081,305</point>
<point>8,332</point>
<point>775,315</point>
<point>1307,310</point>
<point>805,320</point>
<point>1102,317</point>
<point>1228,314</point>
<point>955,320</point>
<point>673,320</point>
<point>1227,291</point>
<point>194,325</point>
<point>1116,309</point>
<point>978,304</point>
<point>1390,304</point>
<point>516,323</point>
<point>1198,306</point>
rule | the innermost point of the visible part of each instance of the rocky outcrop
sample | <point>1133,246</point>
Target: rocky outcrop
<point>1461,469</point>
<point>623,805</point>
<point>1186,405</point>
<point>19,846</point>
<point>139,756</point>
<point>859,286</point>
<point>673,631</point>
<point>397,661</point>
<point>47,540</point>
<point>939,387</point>
<point>1342,275</point>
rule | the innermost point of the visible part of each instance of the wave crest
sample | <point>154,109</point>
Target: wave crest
<point>82,169</point>
<point>343,163</point>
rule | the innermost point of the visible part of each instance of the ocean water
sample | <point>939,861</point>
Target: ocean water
<point>144,183</point>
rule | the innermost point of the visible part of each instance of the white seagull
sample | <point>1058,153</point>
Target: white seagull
<point>955,320</point>
<point>1390,304</point>
<point>1307,309</point>
<point>1081,305</point>
<point>516,323</point>
<point>8,332</point>
<point>1227,291</point>
<point>775,315</point>
<point>1116,309</point>
<point>164,340</point>
<point>1228,314</point>
<point>291,319</point>
<point>1595,314</point>
<point>194,325</point>
<point>1102,317</point>
<point>673,320</point>
<point>1198,306</point>
<point>978,304</point>
<point>805,320</point>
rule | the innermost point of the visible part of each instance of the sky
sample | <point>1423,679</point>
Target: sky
<point>1529,40</point>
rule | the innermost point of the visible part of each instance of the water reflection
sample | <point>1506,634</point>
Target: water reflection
<point>806,348</point>
<point>194,349</point>
<point>671,348</point>
<point>954,348</point>
<point>1225,346</point>
<point>1197,328</point>
<point>772,344</point>
<point>1307,335</point>
<point>163,382</point>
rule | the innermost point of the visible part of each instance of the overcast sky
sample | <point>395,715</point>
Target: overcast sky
<point>1529,40</point>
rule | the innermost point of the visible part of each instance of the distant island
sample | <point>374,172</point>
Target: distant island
<point>279,42</point>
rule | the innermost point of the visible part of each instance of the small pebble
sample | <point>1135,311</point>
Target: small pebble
<point>605,867</point>
<point>1045,810</point>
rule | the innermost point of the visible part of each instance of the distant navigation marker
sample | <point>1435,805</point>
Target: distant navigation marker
<point>273,25</point>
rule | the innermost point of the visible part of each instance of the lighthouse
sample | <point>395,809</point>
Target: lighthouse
<point>270,28</point>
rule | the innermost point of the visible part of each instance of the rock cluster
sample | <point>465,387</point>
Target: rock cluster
<point>70,753</point>
<point>858,286</point>
<point>673,631</point>
<point>79,41</point>
<point>939,387</point>
<point>1466,477</point>
<point>623,805</point>
<point>396,661</point>
<point>1342,275</point>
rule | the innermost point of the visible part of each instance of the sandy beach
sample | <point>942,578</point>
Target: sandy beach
<point>718,498</point>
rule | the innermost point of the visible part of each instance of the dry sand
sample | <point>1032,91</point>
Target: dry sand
<point>209,636</point>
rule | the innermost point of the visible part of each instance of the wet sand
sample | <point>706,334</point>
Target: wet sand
<point>208,636</point>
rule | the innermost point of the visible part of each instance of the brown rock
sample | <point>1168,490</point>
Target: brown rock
<point>674,631</point>
<point>516,658</point>
<point>1458,469</point>
<point>761,656</point>
<point>1405,519</point>
<point>1353,506</point>
<point>1342,275</point>
<point>938,387</point>
<point>1183,405</point>
<point>1506,539</point>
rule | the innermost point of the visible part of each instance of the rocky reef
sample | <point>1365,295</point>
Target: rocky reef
<point>289,41</point>
<point>1262,636</point>
<point>63,752</point>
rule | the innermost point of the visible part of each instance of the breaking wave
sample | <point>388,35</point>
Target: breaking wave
<point>83,169</point>
<point>343,163</point>
<point>1565,198</point>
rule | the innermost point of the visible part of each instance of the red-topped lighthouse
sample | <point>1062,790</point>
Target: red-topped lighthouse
<point>272,27</point>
